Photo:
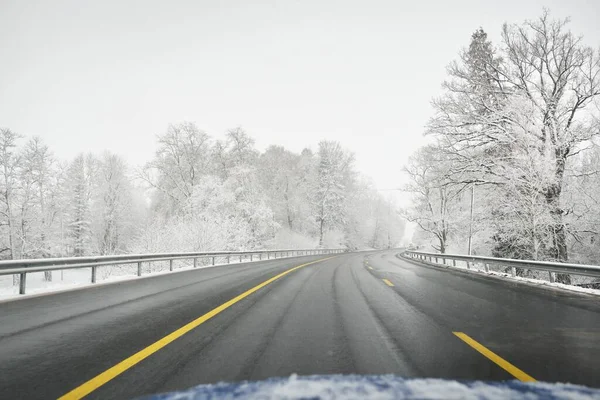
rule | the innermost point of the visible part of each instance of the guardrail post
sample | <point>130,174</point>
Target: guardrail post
<point>513,271</point>
<point>487,267</point>
<point>140,268</point>
<point>213,260</point>
<point>195,262</point>
<point>552,277</point>
<point>268,255</point>
<point>444,261</point>
<point>436,260</point>
<point>227,259</point>
<point>251,257</point>
<point>22,282</point>
<point>240,258</point>
<point>454,263</point>
<point>260,256</point>
<point>94,274</point>
<point>468,265</point>
<point>171,265</point>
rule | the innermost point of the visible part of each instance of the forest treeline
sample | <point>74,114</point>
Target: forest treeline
<point>515,134</point>
<point>196,194</point>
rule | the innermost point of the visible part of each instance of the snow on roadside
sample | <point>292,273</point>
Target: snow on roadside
<point>544,283</point>
<point>81,277</point>
<point>503,275</point>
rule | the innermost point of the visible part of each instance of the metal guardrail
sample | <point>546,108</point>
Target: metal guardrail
<point>23,267</point>
<point>550,267</point>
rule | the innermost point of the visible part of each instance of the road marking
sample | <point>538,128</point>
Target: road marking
<point>111,373</point>
<point>388,283</point>
<point>502,363</point>
<point>370,267</point>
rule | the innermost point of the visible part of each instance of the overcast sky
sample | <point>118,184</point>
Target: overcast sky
<point>90,76</point>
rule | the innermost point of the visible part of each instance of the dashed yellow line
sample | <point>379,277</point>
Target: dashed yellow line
<point>370,267</point>
<point>502,363</point>
<point>387,282</point>
<point>111,373</point>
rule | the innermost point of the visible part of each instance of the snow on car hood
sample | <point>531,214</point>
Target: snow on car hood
<point>379,387</point>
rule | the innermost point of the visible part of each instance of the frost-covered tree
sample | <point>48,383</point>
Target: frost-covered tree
<point>37,208</point>
<point>183,156</point>
<point>198,194</point>
<point>540,84</point>
<point>80,181</point>
<point>560,76</point>
<point>117,206</point>
<point>333,187</point>
<point>435,198</point>
<point>287,183</point>
<point>9,161</point>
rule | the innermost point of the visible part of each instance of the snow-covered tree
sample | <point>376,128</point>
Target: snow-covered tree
<point>198,194</point>
<point>80,181</point>
<point>37,208</point>
<point>541,85</point>
<point>183,156</point>
<point>117,208</point>
<point>9,160</point>
<point>333,187</point>
<point>435,198</point>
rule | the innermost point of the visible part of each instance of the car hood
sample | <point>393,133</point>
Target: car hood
<point>379,387</point>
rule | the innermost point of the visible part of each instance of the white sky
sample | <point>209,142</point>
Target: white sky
<point>95,75</point>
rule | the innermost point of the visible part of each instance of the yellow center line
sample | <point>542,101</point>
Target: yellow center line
<point>111,373</point>
<point>387,282</point>
<point>502,363</point>
<point>370,267</point>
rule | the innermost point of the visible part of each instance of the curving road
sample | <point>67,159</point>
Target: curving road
<point>365,313</point>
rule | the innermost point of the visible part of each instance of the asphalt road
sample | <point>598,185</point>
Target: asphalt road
<point>336,316</point>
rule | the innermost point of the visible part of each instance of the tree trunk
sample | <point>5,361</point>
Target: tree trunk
<point>442,239</point>
<point>11,240</point>
<point>287,204</point>
<point>559,237</point>
<point>321,232</point>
